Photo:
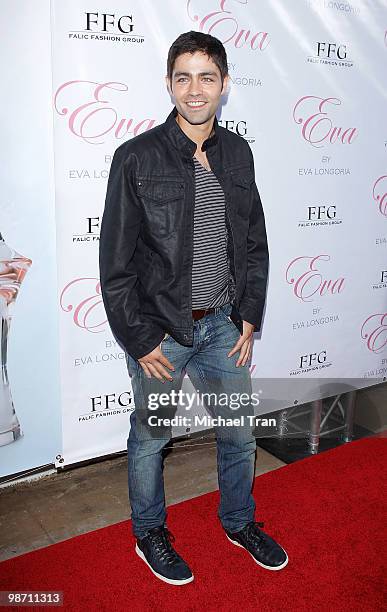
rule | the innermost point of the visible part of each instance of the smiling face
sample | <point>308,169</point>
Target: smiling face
<point>196,87</point>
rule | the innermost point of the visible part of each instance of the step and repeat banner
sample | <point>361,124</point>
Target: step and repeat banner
<point>308,93</point>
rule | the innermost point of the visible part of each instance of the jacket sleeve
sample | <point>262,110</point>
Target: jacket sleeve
<point>253,300</point>
<point>135,333</point>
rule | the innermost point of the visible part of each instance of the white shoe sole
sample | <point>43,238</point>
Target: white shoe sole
<point>269,567</point>
<point>163,578</point>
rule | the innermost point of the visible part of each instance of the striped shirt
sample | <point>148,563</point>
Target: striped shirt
<point>210,268</point>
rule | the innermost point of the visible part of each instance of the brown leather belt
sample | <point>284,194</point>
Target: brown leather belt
<point>201,312</point>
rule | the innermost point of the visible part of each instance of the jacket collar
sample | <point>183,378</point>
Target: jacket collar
<point>180,139</point>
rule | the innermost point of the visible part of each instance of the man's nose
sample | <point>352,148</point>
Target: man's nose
<point>195,87</point>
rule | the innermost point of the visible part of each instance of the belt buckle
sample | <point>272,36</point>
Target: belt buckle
<point>199,310</point>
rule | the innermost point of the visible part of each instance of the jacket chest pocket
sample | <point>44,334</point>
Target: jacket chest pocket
<point>161,200</point>
<point>241,186</point>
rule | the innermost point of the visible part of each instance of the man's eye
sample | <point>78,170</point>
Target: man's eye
<point>180,79</point>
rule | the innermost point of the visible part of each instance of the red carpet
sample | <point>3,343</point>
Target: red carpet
<point>327,511</point>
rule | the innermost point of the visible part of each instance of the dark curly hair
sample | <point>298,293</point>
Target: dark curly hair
<point>192,41</point>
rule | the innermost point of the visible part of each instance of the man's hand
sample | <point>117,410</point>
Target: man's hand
<point>244,344</point>
<point>154,362</point>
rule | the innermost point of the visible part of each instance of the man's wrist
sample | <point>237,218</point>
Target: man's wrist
<point>145,348</point>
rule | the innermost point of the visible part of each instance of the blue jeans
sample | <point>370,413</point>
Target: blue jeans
<point>210,371</point>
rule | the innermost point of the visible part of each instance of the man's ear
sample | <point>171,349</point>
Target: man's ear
<point>226,83</point>
<point>167,81</point>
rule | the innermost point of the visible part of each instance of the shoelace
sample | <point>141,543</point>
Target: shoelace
<point>254,531</point>
<point>162,543</point>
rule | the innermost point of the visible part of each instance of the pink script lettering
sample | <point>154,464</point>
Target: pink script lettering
<point>89,312</point>
<point>222,24</point>
<point>91,115</point>
<point>303,274</point>
<point>317,127</point>
<point>379,193</point>
<point>374,331</point>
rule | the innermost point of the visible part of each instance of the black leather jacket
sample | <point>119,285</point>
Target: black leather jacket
<point>146,239</point>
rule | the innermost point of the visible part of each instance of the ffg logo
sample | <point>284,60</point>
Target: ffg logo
<point>308,361</point>
<point>321,212</point>
<point>239,127</point>
<point>107,22</point>
<point>111,400</point>
<point>329,50</point>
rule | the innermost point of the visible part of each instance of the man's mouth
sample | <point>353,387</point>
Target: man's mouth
<point>196,104</point>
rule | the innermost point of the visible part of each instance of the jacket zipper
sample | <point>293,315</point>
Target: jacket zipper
<point>233,253</point>
<point>192,250</point>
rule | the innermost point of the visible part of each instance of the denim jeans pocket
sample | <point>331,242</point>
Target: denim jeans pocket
<point>226,311</point>
<point>167,338</point>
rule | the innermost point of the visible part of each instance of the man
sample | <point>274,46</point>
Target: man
<point>183,262</point>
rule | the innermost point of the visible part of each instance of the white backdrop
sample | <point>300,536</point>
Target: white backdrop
<point>308,93</point>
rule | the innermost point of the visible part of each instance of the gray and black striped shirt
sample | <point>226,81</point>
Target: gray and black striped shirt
<point>210,269</point>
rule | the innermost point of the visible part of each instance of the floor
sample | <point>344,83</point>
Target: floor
<point>61,505</point>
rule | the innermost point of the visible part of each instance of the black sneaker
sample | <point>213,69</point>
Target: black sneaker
<point>157,552</point>
<point>264,550</point>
